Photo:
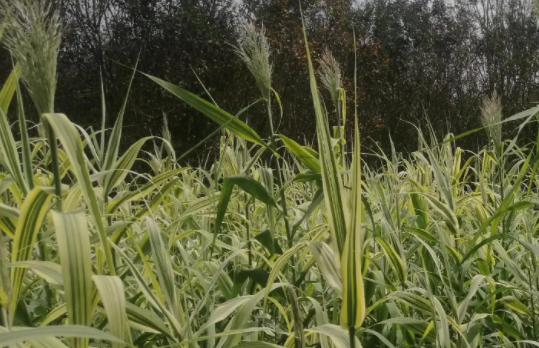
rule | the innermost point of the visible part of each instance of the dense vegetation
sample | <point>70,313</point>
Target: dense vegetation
<point>417,60</point>
<point>261,248</point>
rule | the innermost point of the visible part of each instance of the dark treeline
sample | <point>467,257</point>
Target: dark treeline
<point>417,60</point>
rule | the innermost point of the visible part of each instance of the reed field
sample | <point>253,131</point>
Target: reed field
<point>270,244</point>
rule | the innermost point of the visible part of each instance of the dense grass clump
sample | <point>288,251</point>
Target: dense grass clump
<point>313,249</point>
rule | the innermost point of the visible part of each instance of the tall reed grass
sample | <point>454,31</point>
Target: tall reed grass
<point>313,249</point>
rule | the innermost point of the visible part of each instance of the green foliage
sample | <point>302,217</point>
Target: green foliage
<point>433,250</point>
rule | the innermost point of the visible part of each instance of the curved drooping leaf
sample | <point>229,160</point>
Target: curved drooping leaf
<point>325,259</point>
<point>50,271</point>
<point>247,184</point>
<point>337,334</point>
<point>122,166</point>
<point>301,154</point>
<point>72,144</point>
<point>211,111</point>
<point>22,335</point>
<point>112,293</point>
<point>8,148</point>
<point>146,189</point>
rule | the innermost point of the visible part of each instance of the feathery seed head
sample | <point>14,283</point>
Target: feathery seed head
<point>166,130</point>
<point>254,50</point>
<point>330,74</point>
<point>491,115</point>
<point>33,36</point>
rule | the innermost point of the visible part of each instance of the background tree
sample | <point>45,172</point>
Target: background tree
<point>418,60</point>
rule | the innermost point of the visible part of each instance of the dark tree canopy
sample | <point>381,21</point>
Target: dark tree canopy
<point>418,60</point>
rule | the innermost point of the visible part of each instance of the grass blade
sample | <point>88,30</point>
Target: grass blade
<point>33,212</point>
<point>112,292</point>
<point>74,250</point>
<point>72,144</point>
<point>211,111</point>
<point>331,179</point>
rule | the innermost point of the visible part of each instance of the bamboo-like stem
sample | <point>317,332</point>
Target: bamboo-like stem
<point>340,131</point>
<point>55,164</point>
<point>25,141</point>
<point>248,231</point>
<point>352,336</point>
<point>284,207</point>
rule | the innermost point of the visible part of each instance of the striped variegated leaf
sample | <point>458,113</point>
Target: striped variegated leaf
<point>74,249</point>
<point>151,295</point>
<point>112,293</point>
<point>337,334</point>
<point>331,178</point>
<point>325,259</point>
<point>301,154</point>
<point>72,144</point>
<point>393,258</point>
<point>122,166</point>
<point>163,266</point>
<point>147,189</point>
<point>353,298</point>
<point>33,212</point>
<point>9,88</point>
<point>37,334</point>
<point>8,147</point>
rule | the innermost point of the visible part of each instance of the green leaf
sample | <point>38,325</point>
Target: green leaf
<point>33,212</point>
<point>300,153</point>
<point>414,300</point>
<point>122,166</point>
<point>278,266</point>
<point>9,212</point>
<point>258,275</point>
<point>337,334</point>
<point>353,300</point>
<point>9,88</point>
<point>325,259</point>
<point>9,154</point>
<point>442,326</point>
<point>247,184</point>
<point>74,250</point>
<point>114,142</point>
<point>223,311</point>
<point>163,266</point>
<point>266,239</point>
<point>257,344</point>
<point>317,199</point>
<point>50,271</point>
<point>211,111</point>
<point>417,326</point>
<point>145,190</point>
<point>463,306</point>
<point>308,177</point>
<point>331,179</point>
<point>22,335</point>
<point>495,237</point>
<point>394,259</point>
<point>149,294</point>
<point>514,303</point>
<point>112,292</point>
<point>72,144</point>
<point>147,318</point>
<point>242,317</point>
